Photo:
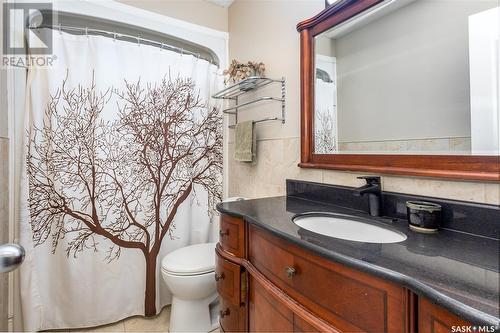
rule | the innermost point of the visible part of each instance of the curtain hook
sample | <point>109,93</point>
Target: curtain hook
<point>161,46</point>
<point>114,36</point>
<point>60,28</point>
<point>87,32</point>
<point>138,41</point>
<point>198,57</point>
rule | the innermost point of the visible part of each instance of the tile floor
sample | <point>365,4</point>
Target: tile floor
<point>159,323</point>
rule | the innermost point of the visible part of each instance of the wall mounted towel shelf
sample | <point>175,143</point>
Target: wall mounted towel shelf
<point>233,92</point>
<point>262,120</point>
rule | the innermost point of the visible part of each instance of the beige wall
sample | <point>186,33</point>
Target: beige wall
<point>198,12</point>
<point>265,31</point>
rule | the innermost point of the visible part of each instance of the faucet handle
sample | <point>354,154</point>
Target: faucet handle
<point>372,180</point>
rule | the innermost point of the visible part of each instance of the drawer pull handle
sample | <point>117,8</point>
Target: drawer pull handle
<point>219,276</point>
<point>223,233</point>
<point>224,313</point>
<point>290,272</point>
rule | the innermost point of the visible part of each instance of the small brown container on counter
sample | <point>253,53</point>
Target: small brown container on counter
<point>423,216</point>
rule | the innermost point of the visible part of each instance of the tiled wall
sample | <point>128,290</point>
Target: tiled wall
<point>3,227</point>
<point>278,159</point>
<point>275,42</point>
<point>458,146</point>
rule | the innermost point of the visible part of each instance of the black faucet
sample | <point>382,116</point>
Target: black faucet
<point>374,191</point>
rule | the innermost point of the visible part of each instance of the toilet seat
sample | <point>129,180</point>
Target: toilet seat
<point>190,260</point>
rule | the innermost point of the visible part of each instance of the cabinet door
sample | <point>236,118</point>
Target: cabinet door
<point>227,277</point>
<point>231,286</point>
<point>232,317</point>
<point>266,314</point>
<point>434,319</point>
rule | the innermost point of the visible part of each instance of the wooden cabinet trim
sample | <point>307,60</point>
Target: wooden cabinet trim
<point>300,325</point>
<point>411,311</point>
<point>415,314</point>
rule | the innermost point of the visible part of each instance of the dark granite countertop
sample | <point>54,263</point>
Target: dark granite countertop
<point>456,270</point>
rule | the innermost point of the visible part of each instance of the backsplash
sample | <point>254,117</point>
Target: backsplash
<point>473,218</point>
<point>277,161</point>
<point>452,145</point>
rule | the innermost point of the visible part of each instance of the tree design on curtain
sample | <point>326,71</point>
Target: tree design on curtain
<point>324,136</point>
<point>125,179</point>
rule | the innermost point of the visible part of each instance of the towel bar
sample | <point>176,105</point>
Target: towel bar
<point>252,83</point>
<point>262,120</point>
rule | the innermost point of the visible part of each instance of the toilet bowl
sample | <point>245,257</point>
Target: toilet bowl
<point>189,274</point>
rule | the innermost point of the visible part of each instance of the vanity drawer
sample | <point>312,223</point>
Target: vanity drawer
<point>232,235</point>
<point>348,299</point>
<point>228,279</point>
<point>272,260</point>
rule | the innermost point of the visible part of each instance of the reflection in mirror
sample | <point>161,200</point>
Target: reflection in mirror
<point>410,77</point>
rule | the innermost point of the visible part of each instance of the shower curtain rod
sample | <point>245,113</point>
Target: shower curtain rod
<point>116,35</point>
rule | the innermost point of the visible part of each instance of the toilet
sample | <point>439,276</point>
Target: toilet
<point>189,274</point>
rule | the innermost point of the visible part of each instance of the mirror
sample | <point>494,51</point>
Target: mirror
<point>416,77</point>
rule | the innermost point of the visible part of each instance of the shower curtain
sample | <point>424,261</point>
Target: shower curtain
<point>123,165</point>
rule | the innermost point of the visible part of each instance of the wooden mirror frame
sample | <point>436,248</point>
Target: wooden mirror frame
<point>485,168</point>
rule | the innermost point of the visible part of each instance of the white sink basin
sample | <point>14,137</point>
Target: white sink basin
<point>348,228</point>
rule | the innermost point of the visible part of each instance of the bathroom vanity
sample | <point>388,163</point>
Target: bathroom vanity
<point>380,93</point>
<point>273,276</point>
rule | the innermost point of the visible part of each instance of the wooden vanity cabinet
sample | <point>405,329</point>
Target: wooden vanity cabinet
<point>434,319</point>
<point>350,300</point>
<point>267,284</point>
<point>231,276</point>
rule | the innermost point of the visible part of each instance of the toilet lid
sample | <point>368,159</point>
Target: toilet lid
<point>190,260</point>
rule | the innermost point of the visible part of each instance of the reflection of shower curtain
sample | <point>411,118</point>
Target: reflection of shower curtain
<point>325,113</point>
<point>121,141</point>
<point>325,133</point>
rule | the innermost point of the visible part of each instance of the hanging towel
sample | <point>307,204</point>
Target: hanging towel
<point>245,142</point>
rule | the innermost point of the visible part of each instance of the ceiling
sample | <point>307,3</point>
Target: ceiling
<point>223,3</point>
